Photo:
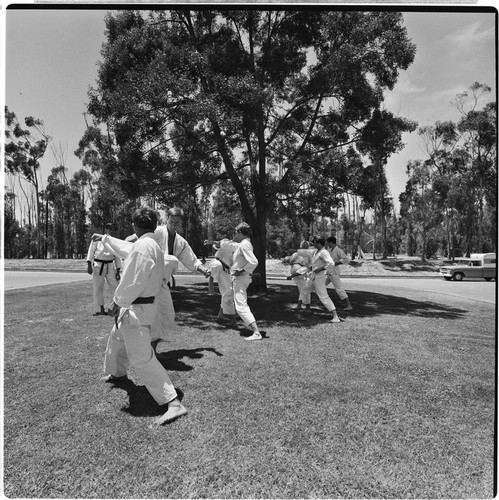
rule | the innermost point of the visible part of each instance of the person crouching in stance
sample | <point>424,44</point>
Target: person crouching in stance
<point>134,307</point>
<point>244,263</point>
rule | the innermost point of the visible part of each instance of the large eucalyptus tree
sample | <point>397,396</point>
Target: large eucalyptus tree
<point>269,95</point>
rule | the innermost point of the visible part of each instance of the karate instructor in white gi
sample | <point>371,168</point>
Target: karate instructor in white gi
<point>134,307</point>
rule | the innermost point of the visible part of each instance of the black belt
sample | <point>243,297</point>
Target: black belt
<point>138,300</point>
<point>143,300</point>
<point>102,264</point>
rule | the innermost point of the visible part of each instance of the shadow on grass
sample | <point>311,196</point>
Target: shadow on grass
<point>140,401</point>
<point>196,309</point>
<point>172,360</point>
<point>369,304</point>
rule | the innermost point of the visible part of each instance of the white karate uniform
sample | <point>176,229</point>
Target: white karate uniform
<point>244,259</point>
<point>222,277</point>
<point>319,259</point>
<point>102,260</point>
<point>302,256</point>
<point>184,253</point>
<point>165,323</point>
<point>338,255</point>
<point>129,343</point>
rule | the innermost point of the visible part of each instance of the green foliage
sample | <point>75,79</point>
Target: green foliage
<point>265,98</point>
<point>460,176</point>
<point>11,229</point>
<point>226,211</point>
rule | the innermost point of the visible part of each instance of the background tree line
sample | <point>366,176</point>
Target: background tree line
<point>270,116</point>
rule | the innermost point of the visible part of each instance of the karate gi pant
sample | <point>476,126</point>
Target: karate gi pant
<point>304,296</point>
<point>321,291</point>
<point>338,285</point>
<point>240,290</point>
<point>130,345</point>
<point>109,275</point>
<point>225,287</point>
<point>164,321</point>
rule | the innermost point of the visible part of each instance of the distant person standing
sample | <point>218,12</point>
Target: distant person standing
<point>100,262</point>
<point>135,307</point>
<point>340,258</point>
<point>244,264</point>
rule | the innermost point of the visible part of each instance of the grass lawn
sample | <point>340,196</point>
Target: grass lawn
<point>396,402</point>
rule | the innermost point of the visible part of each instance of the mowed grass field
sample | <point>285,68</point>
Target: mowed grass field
<point>398,401</point>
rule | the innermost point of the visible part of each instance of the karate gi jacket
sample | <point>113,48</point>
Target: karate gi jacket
<point>226,251</point>
<point>123,249</point>
<point>338,255</point>
<point>181,249</point>
<point>142,276</point>
<point>97,250</point>
<point>244,258</point>
<point>322,258</point>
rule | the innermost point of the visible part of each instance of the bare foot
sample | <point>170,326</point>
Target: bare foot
<point>255,336</point>
<point>336,319</point>
<point>175,410</point>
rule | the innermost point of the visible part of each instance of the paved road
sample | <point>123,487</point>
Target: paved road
<point>27,279</point>
<point>478,290</point>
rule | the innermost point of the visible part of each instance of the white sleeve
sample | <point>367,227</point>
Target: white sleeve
<point>187,256</point>
<point>91,251</point>
<point>251,260</point>
<point>328,260</point>
<point>116,246</point>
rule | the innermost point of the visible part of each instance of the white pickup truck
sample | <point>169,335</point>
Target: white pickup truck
<point>478,265</point>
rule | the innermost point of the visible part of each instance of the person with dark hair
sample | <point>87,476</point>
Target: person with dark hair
<point>322,262</point>
<point>100,262</point>
<point>340,258</point>
<point>244,263</point>
<point>134,307</point>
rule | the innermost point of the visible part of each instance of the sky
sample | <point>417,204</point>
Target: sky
<point>52,55</point>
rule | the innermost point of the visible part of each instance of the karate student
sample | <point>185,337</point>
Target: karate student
<point>220,271</point>
<point>244,262</point>
<point>322,261</point>
<point>173,245</point>
<point>100,265</point>
<point>134,307</point>
<point>301,264</point>
<point>339,257</point>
